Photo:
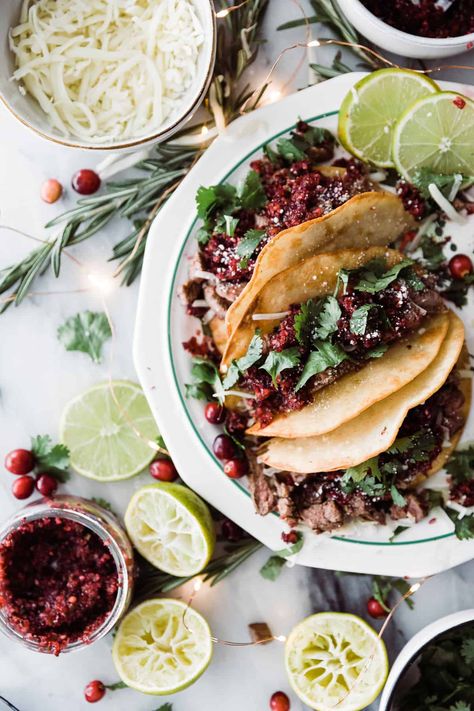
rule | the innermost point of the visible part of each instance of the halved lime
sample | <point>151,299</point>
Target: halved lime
<point>336,660</point>
<point>108,430</point>
<point>171,527</point>
<point>436,133</point>
<point>161,647</point>
<point>371,108</point>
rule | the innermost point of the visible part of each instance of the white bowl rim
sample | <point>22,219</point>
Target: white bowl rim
<point>416,39</point>
<point>415,644</point>
<point>142,140</point>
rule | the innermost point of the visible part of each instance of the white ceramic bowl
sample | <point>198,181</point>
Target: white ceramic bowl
<point>411,650</point>
<point>394,40</point>
<point>28,112</point>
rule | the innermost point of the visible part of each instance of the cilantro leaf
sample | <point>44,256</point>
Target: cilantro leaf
<point>397,498</point>
<point>358,322</point>
<point>326,355</point>
<point>434,498</point>
<point>460,465</point>
<point>401,445</point>
<point>271,154</point>
<point>104,503</point>
<point>463,526</point>
<point>372,281</point>
<point>289,150</point>
<point>328,317</point>
<point>51,459</point>
<point>207,381</point>
<point>86,332</point>
<point>249,242</point>
<point>377,351</point>
<point>293,549</point>
<point>165,707</point>
<point>424,177</point>
<point>315,135</point>
<point>432,252</point>
<point>239,366</point>
<point>209,199</point>
<point>467,651</point>
<point>460,706</point>
<point>251,193</point>
<point>272,568</point>
<point>278,361</point>
<point>360,471</point>
<point>305,320</point>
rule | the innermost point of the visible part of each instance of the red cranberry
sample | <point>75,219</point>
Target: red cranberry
<point>51,190</point>
<point>235,468</point>
<point>85,181</point>
<point>279,701</point>
<point>291,537</point>
<point>214,413</point>
<point>46,484</point>
<point>163,470</point>
<point>231,531</point>
<point>406,239</point>
<point>20,461</point>
<point>375,609</point>
<point>23,487</point>
<point>459,102</point>
<point>460,266</point>
<point>223,447</point>
<point>94,691</point>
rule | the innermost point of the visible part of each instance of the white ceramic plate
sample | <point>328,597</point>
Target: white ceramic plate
<point>163,366</point>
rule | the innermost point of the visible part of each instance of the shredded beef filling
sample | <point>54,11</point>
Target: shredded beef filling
<point>397,311</point>
<point>324,503</point>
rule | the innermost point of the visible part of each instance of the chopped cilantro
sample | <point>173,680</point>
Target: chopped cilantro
<point>374,277</point>
<point>397,498</point>
<point>328,317</point>
<point>239,366</point>
<point>206,381</point>
<point>358,322</point>
<point>463,525</point>
<point>278,361</point>
<point>360,471</point>
<point>467,651</point>
<point>326,355</point>
<point>432,252</point>
<point>49,458</point>
<point>249,242</point>
<point>424,177</point>
<point>460,465</point>
<point>86,332</point>
<point>288,150</point>
<point>272,568</point>
<point>269,153</point>
<point>251,193</point>
<point>215,197</point>
<point>305,320</point>
<point>377,351</point>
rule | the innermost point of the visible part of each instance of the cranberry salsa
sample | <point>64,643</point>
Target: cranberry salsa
<point>425,18</point>
<point>319,341</point>
<point>58,582</point>
<point>380,487</point>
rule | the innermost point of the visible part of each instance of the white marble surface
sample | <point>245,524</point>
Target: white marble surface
<point>37,378</point>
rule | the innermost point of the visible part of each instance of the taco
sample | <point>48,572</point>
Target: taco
<point>331,337</point>
<point>374,430</point>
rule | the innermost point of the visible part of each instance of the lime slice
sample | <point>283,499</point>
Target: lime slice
<point>436,133</point>
<point>336,660</point>
<point>109,441</point>
<point>371,108</point>
<point>161,647</point>
<point>171,527</point>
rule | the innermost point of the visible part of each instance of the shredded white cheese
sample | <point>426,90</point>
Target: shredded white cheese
<point>270,317</point>
<point>106,69</point>
<point>445,205</point>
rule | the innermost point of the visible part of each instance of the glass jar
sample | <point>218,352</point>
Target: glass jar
<point>107,527</point>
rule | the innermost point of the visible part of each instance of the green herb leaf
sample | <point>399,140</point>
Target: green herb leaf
<point>51,459</point>
<point>463,525</point>
<point>198,391</point>
<point>460,706</point>
<point>329,315</point>
<point>116,685</point>
<point>293,549</point>
<point>432,251</point>
<point>251,193</point>
<point>215,197</point>
<point>269,153</point>
<point>207,381</point>
<point>358,322</point>
<point>425,177</point>
<point>105,505</point>
<point>278,361</point>
<point>397,532</point>
<point>397,498</point>
<point>467,651</point>
<point>371,280</point>
<point>306,319</point>
<point>239,366</point>
<point>360,471</point>
<point>377,351</point>
<point>86,332</point>
<point>289,151</point>
<point>460,465</point>
<point>272,568</point>
<point>165,707</point>
<point>434,498</point>
<point>401,445</point>
<point>249,243</point>
<point>316,135</point>
<point>326,356</point>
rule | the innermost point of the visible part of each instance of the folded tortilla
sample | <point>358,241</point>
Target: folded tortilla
<point>374,430</point>
<point>368,219</point>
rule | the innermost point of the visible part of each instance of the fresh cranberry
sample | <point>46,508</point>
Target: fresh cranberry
<point>279,701</point>
<point>236,468</point>
<point>214,413</point>
<point>94,691</point>
<point>51,190</point>
<point>20,461</point>
<point>231,531</point>
<point>46,484</point>
<point>85,181</point>
<point>375,609</point>
<point>223,447</point>
<point>291,537</point>
<point>163,470</point>
<point>460,266</point>
<point>459,102</point>
<point>23,487</point>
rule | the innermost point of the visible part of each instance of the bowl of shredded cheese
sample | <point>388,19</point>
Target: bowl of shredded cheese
<point>106,74</point>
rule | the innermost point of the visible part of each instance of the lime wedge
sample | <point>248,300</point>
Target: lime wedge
<point>371,108</point>
<point>436,133</point>
<point>109,441</point>
<point>161,647</point>
<point>171,527</point>
<point>336,660</point>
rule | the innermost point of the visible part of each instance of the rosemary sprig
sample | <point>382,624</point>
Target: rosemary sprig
<point>152,581</point>
<point>327,13</point>
<point>139,198</point>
